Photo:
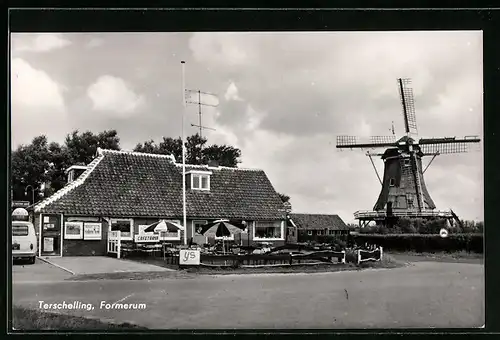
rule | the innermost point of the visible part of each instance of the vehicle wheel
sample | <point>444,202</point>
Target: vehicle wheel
<point>32,260</point>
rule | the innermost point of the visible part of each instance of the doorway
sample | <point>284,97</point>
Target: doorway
<point>50,237</point>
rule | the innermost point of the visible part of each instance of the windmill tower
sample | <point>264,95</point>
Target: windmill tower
<point>403,192</point>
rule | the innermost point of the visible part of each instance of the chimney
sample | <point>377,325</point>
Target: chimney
<point>213,163</point>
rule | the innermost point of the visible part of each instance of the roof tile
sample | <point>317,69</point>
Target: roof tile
<point>318,221</point>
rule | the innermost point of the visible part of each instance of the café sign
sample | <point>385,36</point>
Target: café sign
<point>147,238</point>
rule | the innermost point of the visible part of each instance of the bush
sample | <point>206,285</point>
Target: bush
<point>339,242</point>
<point>351,256</point>
<point>423,242</point>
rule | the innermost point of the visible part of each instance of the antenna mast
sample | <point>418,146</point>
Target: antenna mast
<point>200,103</point>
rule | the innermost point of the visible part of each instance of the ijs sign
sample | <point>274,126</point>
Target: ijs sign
<point>189,257</point>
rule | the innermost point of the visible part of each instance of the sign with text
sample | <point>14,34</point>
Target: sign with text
<point>189,257</point>
<point>73,230</point>
<point>147,238</point>
<point>92,231</point>
<point>48,244</point>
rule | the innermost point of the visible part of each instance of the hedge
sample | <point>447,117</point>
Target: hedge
<point>423,242</point>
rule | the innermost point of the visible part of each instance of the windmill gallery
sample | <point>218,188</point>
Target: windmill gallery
<point>403,191</point>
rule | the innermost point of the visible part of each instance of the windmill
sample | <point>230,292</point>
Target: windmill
<point>403,192</point>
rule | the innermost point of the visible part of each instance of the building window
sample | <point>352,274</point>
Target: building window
<point>125,226</point>
<point>197,227</point>
<point>407,161</point>
<point>331,232</point>
<point>391,182</point>
<point>200,182</point>
<point>272,230</point>
<point>309,232</point>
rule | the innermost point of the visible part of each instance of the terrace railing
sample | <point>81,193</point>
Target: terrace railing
<point>365,255</point>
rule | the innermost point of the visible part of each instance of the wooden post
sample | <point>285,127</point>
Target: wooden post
<point>343,257</point>
<point>381,251</point>
<point>291,259</point>
<point>359,256</point>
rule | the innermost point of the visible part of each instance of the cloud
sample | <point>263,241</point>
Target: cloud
<point>114,95</point>
<point>232,92</point>
<point>95,42</point>
<point>41,42</point>
<point>37,103</point>
<point>321,84</point>
<point>296,92</point>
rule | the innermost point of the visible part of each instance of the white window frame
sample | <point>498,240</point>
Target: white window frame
<point>193,231</point>
<point>331,232</point>
<point>319,232</point>
<point>309,232</point>
<point>131,220</point>
<point>282,231</point>
<point>406,161</point>
<point>392,182</point>
<point>200,174</point>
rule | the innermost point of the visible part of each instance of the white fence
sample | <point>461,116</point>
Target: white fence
<point>370,255</point>
<point>114,243</point>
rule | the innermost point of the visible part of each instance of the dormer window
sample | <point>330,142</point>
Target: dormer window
<point>199,180</point>
<point>74,172</point>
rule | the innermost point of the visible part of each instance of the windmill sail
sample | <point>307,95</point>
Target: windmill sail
<point>447,145</point>
<point>408,104</point>
<point>351,142</point>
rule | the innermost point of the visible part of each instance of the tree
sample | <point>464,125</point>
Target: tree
<point>196,152</point>
<point>29,166</point>
<point>82,148</point>
<point>58,163</point>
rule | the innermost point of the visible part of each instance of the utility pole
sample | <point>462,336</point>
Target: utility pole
<point>184,224</point>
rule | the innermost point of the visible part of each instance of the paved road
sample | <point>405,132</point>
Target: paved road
<point>40,272</point>
<point>423,295</point>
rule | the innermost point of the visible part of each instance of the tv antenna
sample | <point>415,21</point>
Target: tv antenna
<point>194,97</point>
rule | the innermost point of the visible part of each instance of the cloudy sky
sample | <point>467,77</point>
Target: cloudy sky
<point>283,99</point>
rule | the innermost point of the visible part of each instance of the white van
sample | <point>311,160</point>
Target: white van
<point>24,241</point>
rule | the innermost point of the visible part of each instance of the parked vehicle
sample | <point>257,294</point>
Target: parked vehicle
<point>24,241</point>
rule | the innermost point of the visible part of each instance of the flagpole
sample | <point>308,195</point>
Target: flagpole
<point>183,63</point>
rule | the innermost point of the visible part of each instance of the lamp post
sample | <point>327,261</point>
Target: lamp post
<point>183,63</point>
<point>32,192</point>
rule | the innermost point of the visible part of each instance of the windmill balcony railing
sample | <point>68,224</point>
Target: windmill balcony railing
<point>405,213</point>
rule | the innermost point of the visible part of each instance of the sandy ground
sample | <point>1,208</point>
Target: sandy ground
<point>425,294</point>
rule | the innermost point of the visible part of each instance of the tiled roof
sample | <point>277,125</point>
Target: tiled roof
<point>318,221</point>
<point>132,184</point>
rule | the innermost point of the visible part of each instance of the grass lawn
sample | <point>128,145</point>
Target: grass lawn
<point>30,319</point>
